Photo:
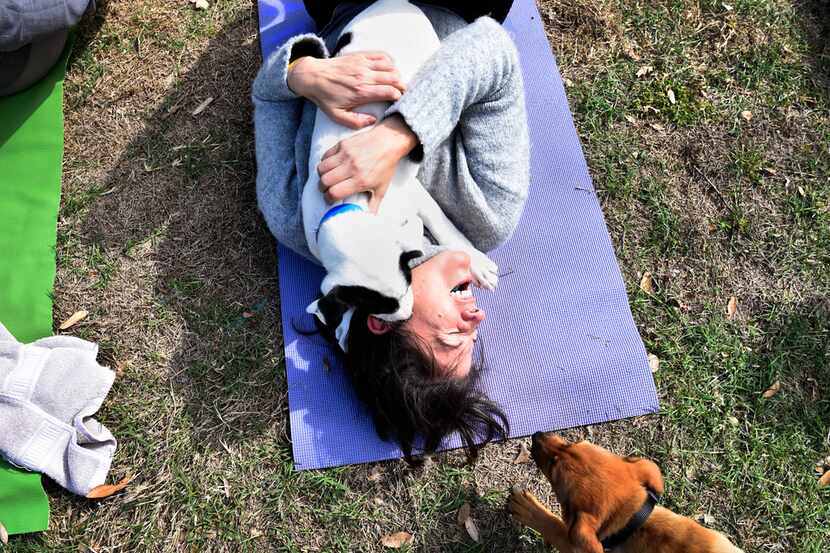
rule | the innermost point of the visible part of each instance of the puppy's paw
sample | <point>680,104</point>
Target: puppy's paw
<point>526,509</point>
<point>522,505</point>
<point>485,271</point>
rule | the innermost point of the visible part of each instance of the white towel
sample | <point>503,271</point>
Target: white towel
<point>49,390</point>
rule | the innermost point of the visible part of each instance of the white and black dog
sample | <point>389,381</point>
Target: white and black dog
<point>366,255</point>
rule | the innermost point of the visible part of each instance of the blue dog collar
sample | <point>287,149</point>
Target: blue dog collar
<point>337,210</point>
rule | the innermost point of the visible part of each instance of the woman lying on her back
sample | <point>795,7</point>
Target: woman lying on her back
<point>464,116</point>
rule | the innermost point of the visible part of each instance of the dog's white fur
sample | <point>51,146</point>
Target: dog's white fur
<point>360,248</point>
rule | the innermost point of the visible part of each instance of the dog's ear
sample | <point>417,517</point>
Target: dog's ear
<point>364,298</point>
<point>649,475</point>
<point>332,308</point>
<point>344,40</point>
<point>406,257</point>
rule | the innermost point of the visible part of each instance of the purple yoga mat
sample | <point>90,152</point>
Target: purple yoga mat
<point>561,346</point>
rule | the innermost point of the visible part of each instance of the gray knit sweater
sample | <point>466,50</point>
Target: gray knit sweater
<point>466,106</point>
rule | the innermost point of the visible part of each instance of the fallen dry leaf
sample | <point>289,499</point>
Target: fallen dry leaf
<point>653,362</point>
<point>256,533</point>
<point>747,115</point>
<point>628,49</point>
<point>569,83</point>
<point>201,107</point>
<point>4,535</point>
<point>657,127</point>
<point>76,317</point>
<point>825,479</point>
<point>523,456</point>
<point>772,390</point>
<point>472,530</point>
<point>396,540</point>
<point>731,307</point>
<point>463,518</point>
<point>201,4</point>
<point>106,490</point>
<point>374,475</point>
<point>644,70</point>
<point>647,283</point>
<point>670,94</point>
<point>463,514</point>
<point>631,119</point>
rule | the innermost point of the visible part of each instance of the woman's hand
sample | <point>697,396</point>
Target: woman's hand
<point>338,85</point>
<point>365,162</point>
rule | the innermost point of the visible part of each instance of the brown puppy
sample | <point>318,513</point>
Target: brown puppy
<point>608,504</point>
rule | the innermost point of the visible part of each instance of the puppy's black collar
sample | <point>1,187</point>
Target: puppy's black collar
<point>634,524</point>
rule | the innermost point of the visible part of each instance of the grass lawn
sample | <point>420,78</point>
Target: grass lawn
<point>706,126</point>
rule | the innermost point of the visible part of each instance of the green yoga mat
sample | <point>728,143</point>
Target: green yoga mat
<point>31,154</point>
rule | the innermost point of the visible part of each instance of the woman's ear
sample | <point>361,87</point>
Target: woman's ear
<point>377,326</point>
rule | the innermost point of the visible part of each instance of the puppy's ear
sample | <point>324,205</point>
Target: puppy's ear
<point>364,298</point>
<point>650,476</point>
<point>405,258</point>
<point>344,40</point>
<point>332,308</point>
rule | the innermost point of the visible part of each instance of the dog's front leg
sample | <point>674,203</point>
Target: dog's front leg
<point>527,510</point>
<point>485,271</point>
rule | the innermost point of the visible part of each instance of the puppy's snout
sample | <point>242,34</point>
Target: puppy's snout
<point>537,436</point>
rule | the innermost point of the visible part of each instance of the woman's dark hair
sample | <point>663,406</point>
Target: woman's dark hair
<point>398,379</point>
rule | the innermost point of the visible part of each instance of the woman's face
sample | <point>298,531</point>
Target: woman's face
<point>445,315</point>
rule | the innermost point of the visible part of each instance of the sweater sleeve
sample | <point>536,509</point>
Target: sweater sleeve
<point>472,63</point>
<point>281,150</point>
<point>271,83</point>
<point>466,106</point>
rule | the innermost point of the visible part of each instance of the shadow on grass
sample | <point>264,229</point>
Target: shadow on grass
<point>815,26</point>
<point>88,28</point>
<point>797,354</point>
<point>184,191</point>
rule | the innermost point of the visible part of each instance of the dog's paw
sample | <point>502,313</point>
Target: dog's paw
<point>485,271</point>
<point>521,506</point>
<point>526,509</point>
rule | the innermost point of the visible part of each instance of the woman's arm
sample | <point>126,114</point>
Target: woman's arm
<point>467,107</point>
<point>279,116</point>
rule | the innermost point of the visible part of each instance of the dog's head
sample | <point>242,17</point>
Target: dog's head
<point>362,250</point>
<point>599,491</point>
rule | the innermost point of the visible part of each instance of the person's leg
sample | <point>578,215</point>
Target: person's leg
<point>25,66</point>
